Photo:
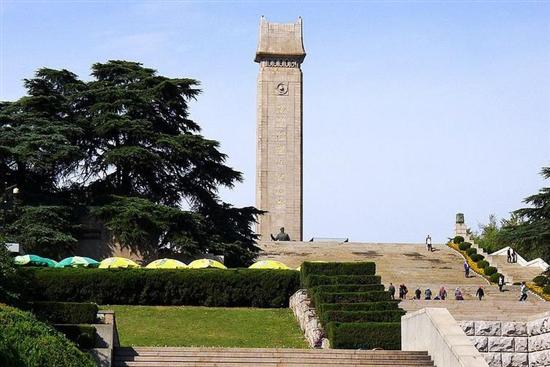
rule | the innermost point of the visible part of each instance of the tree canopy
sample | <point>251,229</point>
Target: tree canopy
<point>530,234</point>
<point>121,148</point>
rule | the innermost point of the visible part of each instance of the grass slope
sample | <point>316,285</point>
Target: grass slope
<point>207,326</point>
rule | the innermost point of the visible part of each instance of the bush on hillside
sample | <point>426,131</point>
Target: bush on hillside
<point>315,280</point>
<point>361,316</point>
<point>494,278</point>
<point>540,280</point>
<point>464,246</point>
<point>490,270</point>
<point>65,312</point>
<point>351,297</point>
<point>471,251</point>
<point>546,289</point>
<point>458,240</point>
<point>198,287</point>
<point>27,342</point>
<point>476,257</point>
<point>370,335</point>
<point>482,264</point>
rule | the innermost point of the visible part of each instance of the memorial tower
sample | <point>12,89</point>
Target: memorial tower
<point>279,129</point>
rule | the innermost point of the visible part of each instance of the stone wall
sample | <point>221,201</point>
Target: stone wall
<point>512,344</point>
<point>305,313</point>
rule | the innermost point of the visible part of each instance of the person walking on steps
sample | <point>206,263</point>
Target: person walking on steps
<point>466,269</point>
<point>428,294</point>
<point>500,282</point>
<point>391,290</point>
<point>523,292</point>
<point>417,293</point>
<point>514,256</point>
<point>480,293</point>
<point>429,243</point>
<point>509,253</point>
<point>458,295</point>
<point>442,293</point>
<point>403,291</point>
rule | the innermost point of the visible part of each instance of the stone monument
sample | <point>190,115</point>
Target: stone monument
<point>279,131</point>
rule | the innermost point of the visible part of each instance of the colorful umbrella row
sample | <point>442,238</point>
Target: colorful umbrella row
<point>121,262</point>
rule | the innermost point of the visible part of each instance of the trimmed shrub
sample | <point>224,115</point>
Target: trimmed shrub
<point>471,251</point>
<point>360,306</point>
<point>362,316</point>
<point>197,287</point>
<point>464,246</point>
<point>494,277</point>
<point>337,268</point>
<point>546,289</point>
<point>81,335</point>
<point>315,280</point>
<point>351,297</point>
<point>384,335</point>
<point>540,280</point>
<point>345,288</point>
<point>482,264</point>
<point>476,257</point>
<point>65,312</point>
<point>25,341</point>
<point>490,270</point>
<point>458,240</point>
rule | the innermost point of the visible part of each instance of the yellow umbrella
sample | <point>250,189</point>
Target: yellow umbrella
<point>166,264</point>
<point>268,264</point>
<point>206,263</point>
<point>117,262</point>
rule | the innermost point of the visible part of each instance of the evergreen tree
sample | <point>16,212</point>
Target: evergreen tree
<point>123,148</point>
<point>530,232</point>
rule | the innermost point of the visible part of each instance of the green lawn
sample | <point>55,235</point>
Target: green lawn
<point>207,326</point>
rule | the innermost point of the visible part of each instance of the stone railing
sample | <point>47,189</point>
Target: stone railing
<point>536,263</point>
<point>305,313</point>
<point>436,331</point>
<point>512,344</point>
<point>106,340</point>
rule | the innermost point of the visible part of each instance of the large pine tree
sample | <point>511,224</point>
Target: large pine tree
<point>121,147</point>
<point>531,235</point>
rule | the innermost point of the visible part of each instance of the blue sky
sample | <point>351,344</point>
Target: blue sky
<point>413,111</point>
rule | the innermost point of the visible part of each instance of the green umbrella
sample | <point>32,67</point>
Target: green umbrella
<point>34,260</point>
<point>77,262</point>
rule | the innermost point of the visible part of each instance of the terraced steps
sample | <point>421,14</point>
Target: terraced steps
<point>238,357</point>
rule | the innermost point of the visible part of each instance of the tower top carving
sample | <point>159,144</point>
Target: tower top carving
<point>280,40</point>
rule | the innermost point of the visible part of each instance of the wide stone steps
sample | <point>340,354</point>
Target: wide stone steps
<point>229,357</point>
<point>482,310</point>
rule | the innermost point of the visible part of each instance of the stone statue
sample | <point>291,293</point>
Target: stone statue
<point>281,236</point>
<point>459,218</point>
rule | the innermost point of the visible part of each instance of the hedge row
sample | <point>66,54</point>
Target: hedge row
<point>336,268</point>
<point>364,306</point>
<point>82,335</point>
<point>27,342</point>
<point>315,280</point>
<point>361,316</point>
<point>346,288</point>
<point>351,297</point>
<point>352,305</point>
<point>385,335</point>
<point>65,312</point>
<point>201,287</point>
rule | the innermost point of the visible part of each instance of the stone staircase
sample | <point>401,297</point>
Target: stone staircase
<point>230,357</point>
